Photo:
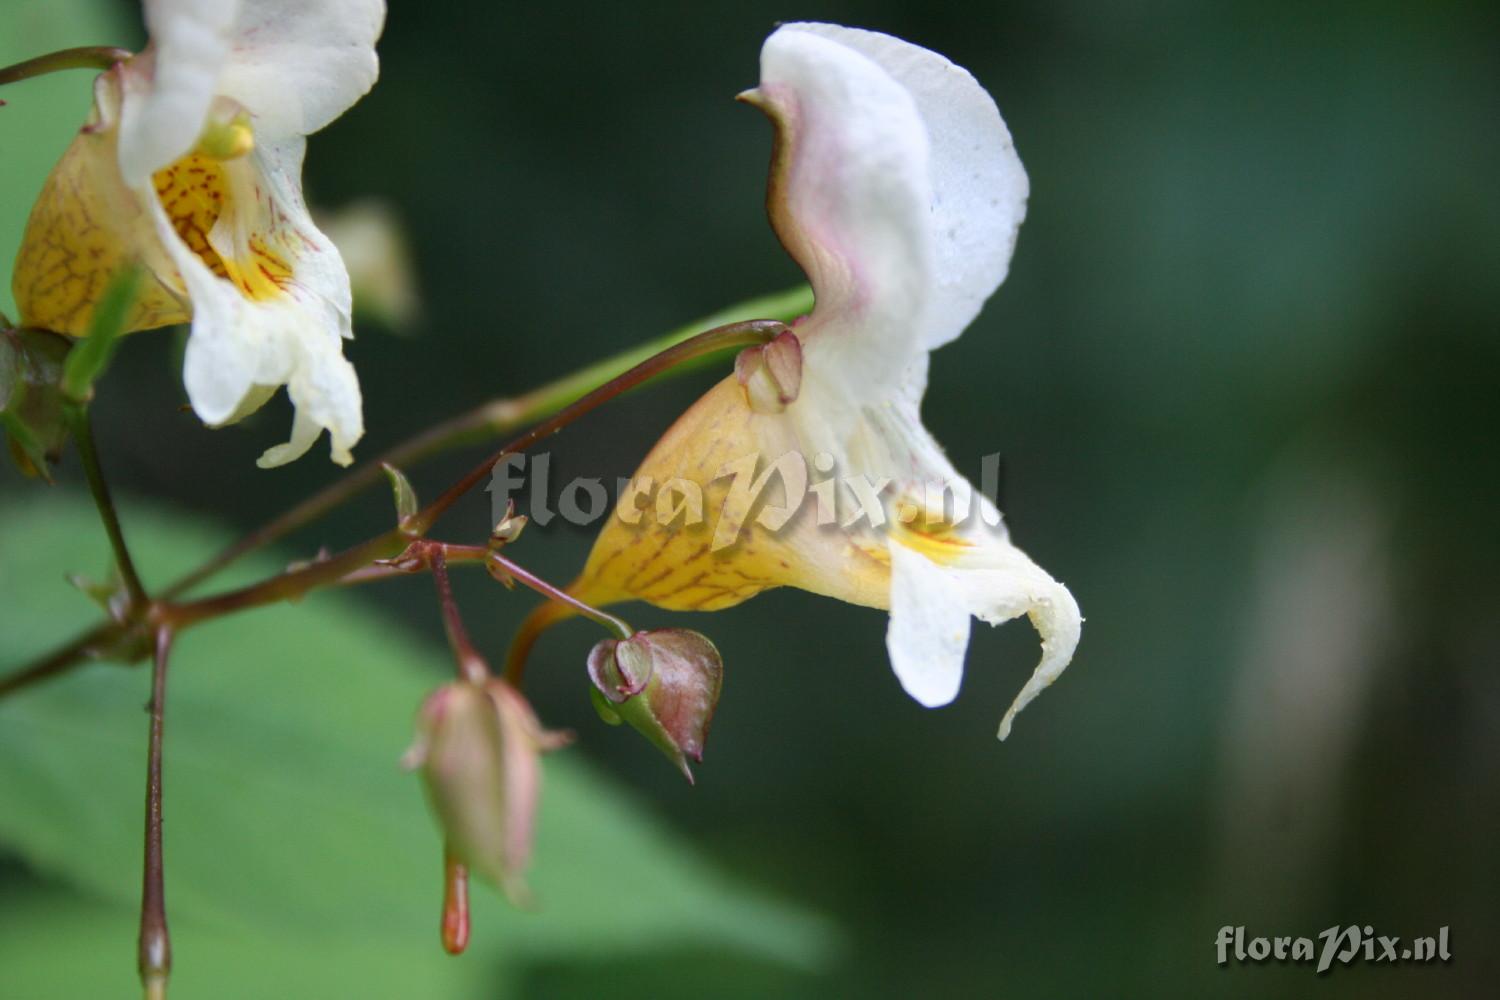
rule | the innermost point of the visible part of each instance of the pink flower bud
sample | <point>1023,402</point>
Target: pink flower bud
<point>479,750</point>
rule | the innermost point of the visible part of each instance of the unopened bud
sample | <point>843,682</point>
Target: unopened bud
<point>509,527</point>
<point>665,683</point>
<point>771,374</point>
<point>479,749</point>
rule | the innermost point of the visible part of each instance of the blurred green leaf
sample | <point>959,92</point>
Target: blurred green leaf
<point>89,359</point>
<point>289,827</point>
<point>34,413</point>
<point>61,944</point>
<point>10,370</point>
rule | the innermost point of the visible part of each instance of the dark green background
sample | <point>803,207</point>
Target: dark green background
<point>1244,377</point>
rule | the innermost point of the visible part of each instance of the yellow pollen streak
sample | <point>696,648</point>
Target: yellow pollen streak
<point>194,191</point>
<point>930,533</point>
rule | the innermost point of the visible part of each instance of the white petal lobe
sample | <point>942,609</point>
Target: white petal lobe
<point>929,628</point>
<point>1055,616</point>
<point>299,64</point>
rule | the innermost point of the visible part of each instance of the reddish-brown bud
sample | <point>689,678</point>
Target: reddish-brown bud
<point>665,683</point>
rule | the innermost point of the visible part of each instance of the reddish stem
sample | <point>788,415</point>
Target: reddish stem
<point>455,904</point>
<point>471,666</point>
<point>154,955</point>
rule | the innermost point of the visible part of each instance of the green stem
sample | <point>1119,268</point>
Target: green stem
<point>88,57</point>
<point>624,371</point>
<point>296,583</point>
<point>83,436</point>
<point>755,331</point>
<point>487,420</point>
<point>62,659</point>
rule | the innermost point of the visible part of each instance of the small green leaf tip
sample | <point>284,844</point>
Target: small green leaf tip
<point>88,361</point>
<point>405,496</point>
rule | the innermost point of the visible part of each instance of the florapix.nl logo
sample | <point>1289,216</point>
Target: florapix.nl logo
<point>1337,945</point>
<point>750,488</point>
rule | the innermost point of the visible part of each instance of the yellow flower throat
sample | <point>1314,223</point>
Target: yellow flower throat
<point>195,191</point>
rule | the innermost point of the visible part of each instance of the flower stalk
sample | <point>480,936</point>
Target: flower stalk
<point>483,422</point>
<point>455,924</point>
<point>336,569</point>
<point>96,57</point>
<point>471,665</point>
<point>83,436</point>
<point>154,955</point>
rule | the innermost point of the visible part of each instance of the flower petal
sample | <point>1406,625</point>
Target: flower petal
<point>929,628</point>
<point>1055,616</point>
<point>278,312</point>
<point>168,88</point>
<point>1000,582</point>
<point>848,199</point>
<point>979,188</point>
<point>85,227</point>
<point>299,64</point>
<point>895,186</point>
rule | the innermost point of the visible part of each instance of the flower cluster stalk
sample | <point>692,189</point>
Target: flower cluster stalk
<point>154,956</point>
<point>295,583</point>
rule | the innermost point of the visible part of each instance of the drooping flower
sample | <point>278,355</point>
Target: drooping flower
<point>190,164</point>
<point>897,189</point>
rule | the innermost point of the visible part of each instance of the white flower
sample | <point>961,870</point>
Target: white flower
<point>191,165</point>
<point>897,189</point>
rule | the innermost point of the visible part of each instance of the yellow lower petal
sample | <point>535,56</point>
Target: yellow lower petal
<point>682,566</point>
<point>86,225</point>
<point>84,228</point>
<point>196,192</point>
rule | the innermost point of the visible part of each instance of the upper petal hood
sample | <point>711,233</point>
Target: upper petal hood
<point>896,187</point>
<point>299,64</point>
<point>294,65</point>
<point>169,88</point>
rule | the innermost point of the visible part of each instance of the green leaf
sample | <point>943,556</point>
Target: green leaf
<point>35,415</point>
<point>401,490</point>
<point>89,359</point>
<point>10,370</point>
<point>60,943</point>
<point>290,830</point>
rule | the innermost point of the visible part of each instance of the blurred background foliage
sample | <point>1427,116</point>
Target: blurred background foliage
<point>1244,378</point>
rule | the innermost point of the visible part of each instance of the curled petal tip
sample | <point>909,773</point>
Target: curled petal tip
<point>1056,618</point>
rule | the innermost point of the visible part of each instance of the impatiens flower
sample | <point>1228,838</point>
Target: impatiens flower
<point>191,165</point>
<point>895,186</point>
